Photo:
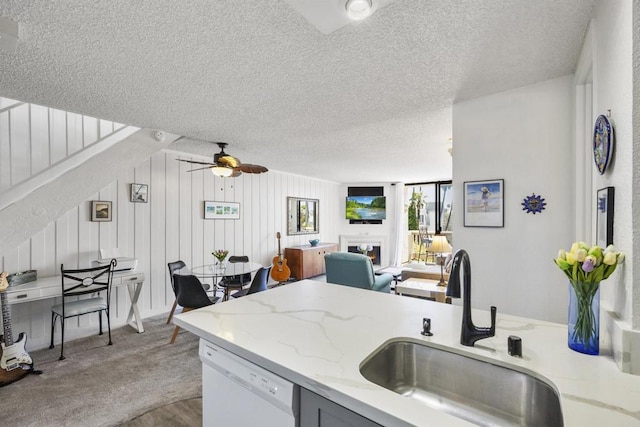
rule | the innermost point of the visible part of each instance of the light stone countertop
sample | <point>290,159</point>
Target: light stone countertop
<point>316,335</point>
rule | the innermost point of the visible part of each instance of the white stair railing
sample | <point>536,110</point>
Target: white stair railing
<point>34,138</point>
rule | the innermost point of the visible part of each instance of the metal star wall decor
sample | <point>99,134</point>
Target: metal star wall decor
<point>533,204</point>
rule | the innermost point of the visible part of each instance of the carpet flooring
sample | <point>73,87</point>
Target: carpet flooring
<point>100,385</point>
<point>186,413</point>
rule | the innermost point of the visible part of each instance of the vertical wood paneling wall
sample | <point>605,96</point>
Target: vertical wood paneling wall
<point>169,227</point>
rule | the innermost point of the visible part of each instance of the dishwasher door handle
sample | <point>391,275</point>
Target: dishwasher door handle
<point>238,380</point>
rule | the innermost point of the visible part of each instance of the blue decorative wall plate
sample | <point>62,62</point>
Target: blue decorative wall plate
<point>602,143</point>
<point>533,204</point>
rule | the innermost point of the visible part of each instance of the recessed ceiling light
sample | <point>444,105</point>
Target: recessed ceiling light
<point>358,10</point>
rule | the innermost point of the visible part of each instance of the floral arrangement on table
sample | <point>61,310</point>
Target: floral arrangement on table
<point>220,255</point>
<point>586,266</point>
<point>365,249</point>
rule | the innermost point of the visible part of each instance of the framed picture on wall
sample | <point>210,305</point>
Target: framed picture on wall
<point>484,203</point>
<point>139,193</point>
<point>100,210</point>
<point>604,217</point>
<point>221,210</point>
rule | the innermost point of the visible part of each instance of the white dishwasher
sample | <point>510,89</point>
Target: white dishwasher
<point>235,392</point>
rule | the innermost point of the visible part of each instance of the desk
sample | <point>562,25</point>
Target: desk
<point>214,271</point>
<point>426,288</point>
<point>50,287</point>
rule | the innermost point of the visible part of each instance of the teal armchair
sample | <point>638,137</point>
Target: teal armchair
<point>351,269</point>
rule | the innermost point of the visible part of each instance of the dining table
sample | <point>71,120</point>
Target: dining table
<point>220,271</point>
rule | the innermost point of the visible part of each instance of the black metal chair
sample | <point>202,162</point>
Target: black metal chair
<point>81,282</point>
<point>190,295</point>
<point>258,284</point>
<point>235,282</point>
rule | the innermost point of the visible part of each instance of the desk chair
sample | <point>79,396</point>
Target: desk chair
<point>190,295</point>
<point>258,284</point>
<point>174,266</point>
<point>80,282</point>
<point>235,282</point>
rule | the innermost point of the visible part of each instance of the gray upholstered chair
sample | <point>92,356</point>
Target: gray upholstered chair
<point>351,269</point>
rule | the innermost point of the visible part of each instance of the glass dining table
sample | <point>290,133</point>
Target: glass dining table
<point>217,272</point>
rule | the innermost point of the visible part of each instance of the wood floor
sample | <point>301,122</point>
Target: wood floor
<point>184,413</point>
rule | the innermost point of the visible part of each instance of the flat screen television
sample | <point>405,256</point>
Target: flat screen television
<point>366,207</point>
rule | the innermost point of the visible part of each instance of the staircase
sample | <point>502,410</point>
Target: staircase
<point>52,160</point>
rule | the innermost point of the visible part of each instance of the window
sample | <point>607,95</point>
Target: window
<point>428,206</point>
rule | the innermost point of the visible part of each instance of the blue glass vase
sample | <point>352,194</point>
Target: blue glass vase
<point>584,317</point>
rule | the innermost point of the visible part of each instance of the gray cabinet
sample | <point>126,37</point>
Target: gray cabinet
<point>316,411</point>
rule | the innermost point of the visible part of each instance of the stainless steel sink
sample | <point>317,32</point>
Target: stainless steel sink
<point>479,392</point>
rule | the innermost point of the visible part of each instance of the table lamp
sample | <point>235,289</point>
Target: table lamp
<point>440,245</point>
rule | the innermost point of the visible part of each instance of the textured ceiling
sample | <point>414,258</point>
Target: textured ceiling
<point>369,102</point>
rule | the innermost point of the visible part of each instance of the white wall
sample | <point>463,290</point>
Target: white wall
<point>613,91</point>
<point>613,82</point>
<point>524,137</point>
<point>169,227</point>
<point>526,127</point>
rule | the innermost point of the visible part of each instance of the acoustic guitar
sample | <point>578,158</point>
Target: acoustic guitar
<point>280,271</point>
<point>15,362</point>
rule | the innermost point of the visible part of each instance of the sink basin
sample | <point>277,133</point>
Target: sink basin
<point>477,391</point>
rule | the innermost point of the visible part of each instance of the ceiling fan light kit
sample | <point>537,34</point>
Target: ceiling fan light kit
<point>222,171</point>
<point>358,10</point>
<point>224,165</point>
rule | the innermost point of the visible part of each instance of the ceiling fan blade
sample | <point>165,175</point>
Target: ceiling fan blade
<point>199,169</point>
<point>236,172</point>
<point>195,162</point>
<point>248,168</point>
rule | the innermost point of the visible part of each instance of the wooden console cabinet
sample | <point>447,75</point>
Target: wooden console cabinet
<point>308,261</point>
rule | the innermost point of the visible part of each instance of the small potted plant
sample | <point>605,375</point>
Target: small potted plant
<point>220,255</point>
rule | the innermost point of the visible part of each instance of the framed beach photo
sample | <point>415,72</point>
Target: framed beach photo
<point>221,210</point>
<point>604,217</point>
<point>484,203</point>
<point>139,193</point>
<point>100,210</point>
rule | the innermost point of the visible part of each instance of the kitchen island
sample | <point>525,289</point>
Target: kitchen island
<point>317,334</point>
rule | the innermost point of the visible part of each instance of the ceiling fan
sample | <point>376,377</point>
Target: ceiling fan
<point>225,165</point>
